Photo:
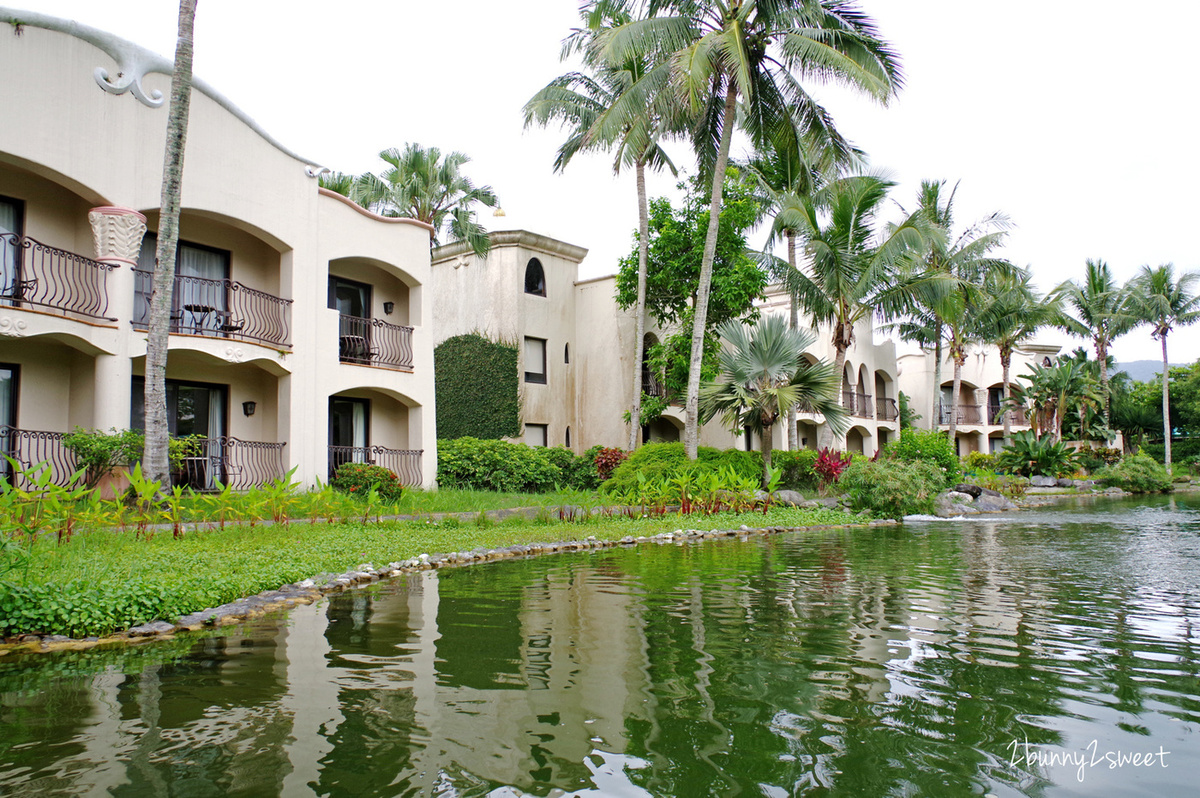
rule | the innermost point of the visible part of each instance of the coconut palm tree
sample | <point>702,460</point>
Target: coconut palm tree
<point>1011,315</point>
<point>725,51</point>
<point>421,184</point>
<point>155,460</point>
<point>783,173</point>
<point>1098,309</point>
<point>1165,303</point>
<point>578,100</point>
<point>854,271</point>
<point>763,375</point>
<point>1055,390</point>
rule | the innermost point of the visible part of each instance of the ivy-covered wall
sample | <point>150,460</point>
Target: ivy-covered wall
<point>477,388</point>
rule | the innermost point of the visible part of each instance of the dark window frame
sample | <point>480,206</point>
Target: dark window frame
<point>19,204</point>
<point>331,296</point>
<point>366,403</point>
<point>16,397</point>
<point>534,377</point>
<point>224,387</point>
<point>539,283</point>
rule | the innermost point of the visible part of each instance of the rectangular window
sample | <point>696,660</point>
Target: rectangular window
<point>193,408</point>
<point>536,434</point>
<point>201,300</point>
<point>12,212</point>
<point>535,360</point>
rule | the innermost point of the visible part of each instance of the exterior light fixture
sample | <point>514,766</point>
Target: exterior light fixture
<point>388,307</point>
<point>248,407</point>
<point>1046,362</point>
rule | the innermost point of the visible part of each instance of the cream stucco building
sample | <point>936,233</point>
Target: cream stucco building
<point>301,325</point>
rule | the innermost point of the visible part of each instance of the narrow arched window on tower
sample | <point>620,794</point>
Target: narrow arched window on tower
<point>568,436</point>
<point>566,353</point>
<point>535,278</point>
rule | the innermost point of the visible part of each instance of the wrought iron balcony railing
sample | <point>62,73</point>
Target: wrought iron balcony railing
<point>233,462</point>
<point>966,414</point>
<point>1015,416</point>
<point>858,404</point>
<point>404,463</point>
<point>38,276</point>
<point>31,447</point>
<point>371,342</point>
<point>886,409</point>
<point>218,308</point>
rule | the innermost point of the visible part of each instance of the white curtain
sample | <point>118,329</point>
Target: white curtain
<point>360,432</point>
<point>216,430</point>
<point>9,223</point>
<point>203,302</point>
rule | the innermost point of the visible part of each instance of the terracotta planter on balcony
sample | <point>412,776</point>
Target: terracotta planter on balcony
<point>114,484</point>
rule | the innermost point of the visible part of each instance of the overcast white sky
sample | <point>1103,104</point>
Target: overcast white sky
<point>1072,117</point>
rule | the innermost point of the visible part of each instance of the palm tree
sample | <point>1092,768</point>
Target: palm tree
<point>762,375</point>
<point>1054,390</point>
<point>155,455</point>
<point>578,100</point>
<point>420,184</point>
<point>852,271</point>
<point>337,182</point>
<point>783,174</point>
<point>1012,314</point>
<point>720,51</point>
<point>1164,303</point>
<point>1102,312</point>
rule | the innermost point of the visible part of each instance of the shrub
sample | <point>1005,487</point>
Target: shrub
<point>669,460</point>
<point>98,453</point>
<point>748,465</point>
<point>928,445</point>
<point>1181,449</point>
<point>357,479</point>
<point>831,464</point>
<point>1095,459</point>
<point>1013,487</point>
<point>892,488</point>
<point>1136,474</point>
<point>798,469</point>
<point>1029,455</point>
<point>979,461</point>
<point>496,465</point>
<point>606,460</point>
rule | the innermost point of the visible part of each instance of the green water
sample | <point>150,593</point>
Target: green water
<point>976,658</point>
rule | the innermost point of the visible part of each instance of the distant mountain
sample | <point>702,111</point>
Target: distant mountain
<point>1144,370</point>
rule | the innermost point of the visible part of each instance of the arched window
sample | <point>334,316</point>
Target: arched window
<point>568,443</point>
<point>535,278</point>
<point>566,353</point>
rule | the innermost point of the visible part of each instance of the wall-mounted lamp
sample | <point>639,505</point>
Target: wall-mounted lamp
<point>388,307</point>
<point>248,407</point>
<point>1046,362</point>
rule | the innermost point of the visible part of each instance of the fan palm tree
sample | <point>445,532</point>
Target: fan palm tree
<point>783,173</point>
<point>762,375</point>
<point>723,51</point>
<point>853,271</point>
<point>1098,309</point>
<point>578,100</point>
<point>1165,303</point>
<point>1011,315</point>
<point>155,463</point>
<point>421,184</point>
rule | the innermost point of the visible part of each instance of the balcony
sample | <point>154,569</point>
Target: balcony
<point>230,461</point>
<point>404,463</point>
<point>218,308</point>
<point>371,342</point>
<point>857,404</point>
<point>1016,416</point>
<point>31,447</point>
<point>886,409</point>
<point>966,414</point>
<point>38,276</point>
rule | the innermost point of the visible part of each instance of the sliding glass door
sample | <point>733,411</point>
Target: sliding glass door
<point>348,431</point>
<point>193,408</point>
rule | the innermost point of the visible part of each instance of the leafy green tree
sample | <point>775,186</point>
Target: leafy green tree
<point>578,100</point>
<point>1164,303</point>
<point>421,184</point>
<point>762,375</point>
<point>674,254</point>
<point>1098,309</point>
<point>1055,391</point>
<point>721,51</point>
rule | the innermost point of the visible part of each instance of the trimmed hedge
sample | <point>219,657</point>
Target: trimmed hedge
<point>477,388</point>
<point>668,460</point>
<point>1181,450</point>
<point>476,464</point>
<point>892,488</point>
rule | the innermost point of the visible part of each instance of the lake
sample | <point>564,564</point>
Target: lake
<point>1042,653</point>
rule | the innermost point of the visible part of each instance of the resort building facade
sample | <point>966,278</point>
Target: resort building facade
<point>300,324</point>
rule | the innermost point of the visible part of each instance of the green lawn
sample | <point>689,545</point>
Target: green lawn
<point>105,581</point>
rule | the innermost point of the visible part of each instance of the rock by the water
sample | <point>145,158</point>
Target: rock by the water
<point>993,504</point>
<point>152,628</point>
<point>971,490</point>
<point>1043,482</point>
<point>790,497</point>
<point>948,508</point>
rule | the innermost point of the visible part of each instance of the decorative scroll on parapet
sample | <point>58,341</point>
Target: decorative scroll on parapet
<point>117,233</point>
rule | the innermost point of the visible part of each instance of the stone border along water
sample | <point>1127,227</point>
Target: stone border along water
<point>308,591</point>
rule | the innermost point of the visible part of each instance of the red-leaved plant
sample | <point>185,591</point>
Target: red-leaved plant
<point>607,460</point>
<point>830,465</point>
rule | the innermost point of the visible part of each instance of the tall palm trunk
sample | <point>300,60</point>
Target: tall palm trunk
<point>691,428</point>
<point>794,322</point>
<point>155,460</point>
<point>935,414</point>
<point>1166,405</point>
<point>635,415</point>
<point>956,352</point>
<point>1005,365</point>
<point>839,367</point>
<point>1102,355</point>
<point>768,441</point>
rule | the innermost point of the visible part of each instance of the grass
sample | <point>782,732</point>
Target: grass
<point>100,582</point>
<point>453,500</point>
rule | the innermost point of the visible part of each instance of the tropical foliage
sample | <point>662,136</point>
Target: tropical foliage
<point>1031,454</point>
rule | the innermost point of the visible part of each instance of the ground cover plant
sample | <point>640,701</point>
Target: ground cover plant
<point>103,580</point>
